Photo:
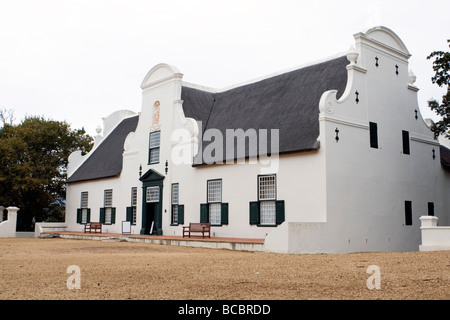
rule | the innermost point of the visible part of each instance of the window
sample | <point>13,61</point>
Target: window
<point>108,206</point>
<point>155,138</point>
<point>267,197</point>
<point>267,211</point>
<point>133,204</point>
<point>84,213</point>
<point>214,211</point>
<point>214,200</point>
<point>177,209</point>
<point>131,211</point>
<point>152,194</point>
<point>267,187</point>
<point>431,208</point>
<point>214,191</point>
<point>408,213</point>
<point>373,135</point>
<point>405,139</point>
<point>108,213</point>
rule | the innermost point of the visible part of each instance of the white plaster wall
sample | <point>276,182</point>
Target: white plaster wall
<point>300,183</point>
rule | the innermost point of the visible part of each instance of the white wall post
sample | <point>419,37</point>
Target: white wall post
<point>1,213</point>
<point>8,227</point>
<point>434,238</point>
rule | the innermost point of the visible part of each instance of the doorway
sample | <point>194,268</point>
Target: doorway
<point>150,224</point>
<point>152,187</point>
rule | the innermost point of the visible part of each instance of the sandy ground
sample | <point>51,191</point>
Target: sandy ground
<point>37,269</point>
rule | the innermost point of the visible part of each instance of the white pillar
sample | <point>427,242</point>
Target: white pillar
<point>8,227</point>
<point>428,221</point>
<point>1,213</point>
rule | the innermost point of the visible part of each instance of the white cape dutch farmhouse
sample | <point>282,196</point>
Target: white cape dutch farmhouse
<point>328,158</point>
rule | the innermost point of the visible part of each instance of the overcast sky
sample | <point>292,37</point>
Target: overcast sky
<point>81,60</point>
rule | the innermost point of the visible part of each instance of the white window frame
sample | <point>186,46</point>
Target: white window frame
<point>133,205</point>
<point>108,198</point>
<point>152,194</point>
<point>84,205</point>
<point>175,201</point>
<point>214,196</point>
<point>108,205</point>
<point>267,196</point>
<point>154,147</point>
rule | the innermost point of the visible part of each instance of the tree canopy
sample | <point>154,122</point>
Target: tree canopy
<point>441,66</point>
<point>33,166</point>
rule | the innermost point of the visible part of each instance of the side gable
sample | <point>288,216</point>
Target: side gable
<point>106,161</point>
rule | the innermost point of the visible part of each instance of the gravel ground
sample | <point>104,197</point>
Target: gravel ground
<point>37,269</point>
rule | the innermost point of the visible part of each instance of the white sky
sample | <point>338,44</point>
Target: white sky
<point>81,60</point>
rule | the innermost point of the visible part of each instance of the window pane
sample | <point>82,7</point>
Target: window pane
<point>175,214</point>
<point>154,139</point>
<point>133,196</point>
<point>215,191</point>
<point>267,187</point>
<point>108,215</point>
<point>175,193</point>
<point>214,213</point>
<point>84,200</point>
<point>108,198</point>
<point>267,212</point>
<point>134,215</point>
<point>153,194</point>
<point>83,215</point>
<point>154,155</point>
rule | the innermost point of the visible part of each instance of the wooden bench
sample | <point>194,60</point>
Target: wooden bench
<point>203,228</point>
<point>93,226</point>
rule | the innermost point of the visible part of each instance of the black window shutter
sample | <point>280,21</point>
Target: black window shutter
<point>373,135</point>
<point>102,215</point>
<point>408,213</point>
<point>129,214</point>
<point>204,213</point>
<point>254,212</point>
<point>405,138</point>
<point>88,216</point>
<point>181,214</point>
<point>113,215</point>
<point>224,213</point>
<point>78,215</point>
<point>431,208</point>
<point>279,206</point>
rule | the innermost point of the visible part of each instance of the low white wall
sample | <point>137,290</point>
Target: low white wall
<point>42,227</point>
<point>8,227</point>
<point>434,238</point>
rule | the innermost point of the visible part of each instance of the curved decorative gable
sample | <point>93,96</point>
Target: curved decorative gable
<point>159,74</point>
<point>384,39</point>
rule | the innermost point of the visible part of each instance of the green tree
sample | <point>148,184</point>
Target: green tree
<point>441,66</point>
<point>33,164</point>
